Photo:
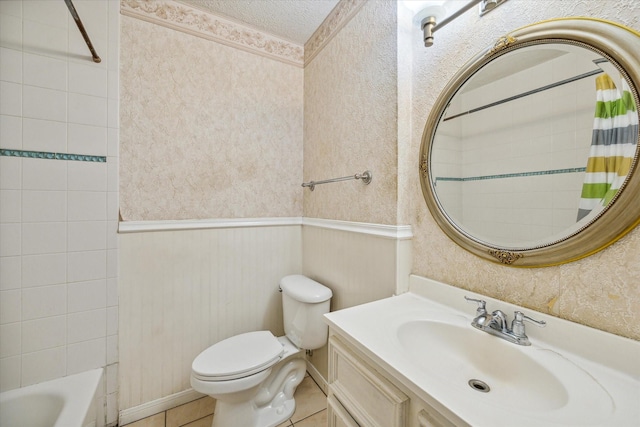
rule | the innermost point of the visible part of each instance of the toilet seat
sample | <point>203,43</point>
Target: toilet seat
<point>238,357</point>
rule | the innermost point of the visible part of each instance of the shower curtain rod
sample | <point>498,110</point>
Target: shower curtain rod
<point>76,18</point>
<point>530,92</point>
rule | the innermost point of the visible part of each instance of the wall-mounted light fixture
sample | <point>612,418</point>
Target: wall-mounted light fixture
<point>434,17</point>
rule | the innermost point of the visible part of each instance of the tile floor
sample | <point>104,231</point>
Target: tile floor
<point>311,411</point>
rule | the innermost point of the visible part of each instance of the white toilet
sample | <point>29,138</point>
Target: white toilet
<point>253,375</point>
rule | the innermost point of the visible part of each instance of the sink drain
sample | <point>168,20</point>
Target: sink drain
<point>480,386</point>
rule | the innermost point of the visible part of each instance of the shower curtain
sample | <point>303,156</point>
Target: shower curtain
<point>613,144</point>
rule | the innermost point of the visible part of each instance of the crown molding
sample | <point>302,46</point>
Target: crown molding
<point>189,20</point>
<point>337,19</point>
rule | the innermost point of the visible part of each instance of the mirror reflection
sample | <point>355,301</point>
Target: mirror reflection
<point>534,145</point>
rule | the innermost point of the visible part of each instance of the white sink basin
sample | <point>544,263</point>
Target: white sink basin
<point>523,378</point>
<point>571,375</point>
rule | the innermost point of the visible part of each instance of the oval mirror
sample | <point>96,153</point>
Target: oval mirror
<point>529,156</point>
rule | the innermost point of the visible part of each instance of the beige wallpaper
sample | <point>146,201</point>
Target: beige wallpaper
<point>207,130</point>
<point>602,291</point>
<point>350,115</point>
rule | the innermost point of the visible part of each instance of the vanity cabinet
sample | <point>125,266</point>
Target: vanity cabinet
<point>361,396</point>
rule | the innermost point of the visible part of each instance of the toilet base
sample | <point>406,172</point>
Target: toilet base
<point>273,402</point>
<point>246,414</point>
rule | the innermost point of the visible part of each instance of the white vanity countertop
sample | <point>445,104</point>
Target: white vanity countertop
<point>609,362</point>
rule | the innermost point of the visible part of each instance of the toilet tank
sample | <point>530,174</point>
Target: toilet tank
<point>304,301</point>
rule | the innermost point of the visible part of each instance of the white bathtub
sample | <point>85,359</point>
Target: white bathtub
<point>64,402</point>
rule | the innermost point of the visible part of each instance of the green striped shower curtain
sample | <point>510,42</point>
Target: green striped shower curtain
<point>613,144</point>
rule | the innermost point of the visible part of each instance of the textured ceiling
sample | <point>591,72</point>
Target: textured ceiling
<point>294,20</point>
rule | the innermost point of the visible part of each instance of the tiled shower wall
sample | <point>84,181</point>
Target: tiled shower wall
<point>58,195</point>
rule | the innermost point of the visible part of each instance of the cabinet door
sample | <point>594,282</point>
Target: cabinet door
<point>368,397</point>
<point>337,416</point>
<point>432,418</point>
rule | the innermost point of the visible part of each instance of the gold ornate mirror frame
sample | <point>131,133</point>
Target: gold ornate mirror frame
<point>618,44</point>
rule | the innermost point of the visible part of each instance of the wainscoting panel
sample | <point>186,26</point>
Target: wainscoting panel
<point>358,267</point>
<point>184,290</point>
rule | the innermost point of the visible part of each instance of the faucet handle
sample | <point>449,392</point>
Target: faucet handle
<point>517,325</point>
<point>481,305</point>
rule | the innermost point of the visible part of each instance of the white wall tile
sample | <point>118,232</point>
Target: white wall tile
<point>45,104</point>
<point>113,117</point>
<point>10,31</point>
<point>56,296</point>
<point>112,378</point>
<point>112,321</point>
<point>10,341</point>
<point>44,206</point>
<point>112,349</point>
<point>87,206</point>
<point>45,72</point>
<point>10,205</point>
<point>11,7</point>
<point>112,234</point>
<point>113,84</point>
<point>86,235</point>
<point>88,79</point>
<point>43,365</point>
<point>112,408</point>
<point>44,301</point>
<point>44,135</point>
<point>44,39</point>
<point>43,270</point>
<point>112,292</point>
<point>85,266</point>
<point>87,176</point>
<point>10,173</point>
<point>42,174</point>
<point>112,174</point>
<point>83,296</point>
<point>112,263</point>
<point>10,136</point>
<point>112,142</point>
<point>10,98</point>
<point>87,110</point>
<point>86,325</point>
<point>44,237</point>
<point>91,140</point>
<point>11,241</point>
<point>46,12</point>
<point>42,334</point>
<point>10,273</point>
<point>10,306</point>
<point>86,355</point>
<point>10,65</point>
<point>10,369</point>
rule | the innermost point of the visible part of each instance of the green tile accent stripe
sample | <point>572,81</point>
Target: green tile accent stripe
<point>52,156</point>
<point>512,175</point>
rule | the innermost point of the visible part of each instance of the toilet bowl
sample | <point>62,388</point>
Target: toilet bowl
<point>253,376</point>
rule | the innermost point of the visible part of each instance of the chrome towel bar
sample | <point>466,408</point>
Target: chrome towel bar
<point>365,176</point>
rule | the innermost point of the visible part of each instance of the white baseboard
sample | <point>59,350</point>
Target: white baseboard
<point>317,377</point>
<point>156,406</point>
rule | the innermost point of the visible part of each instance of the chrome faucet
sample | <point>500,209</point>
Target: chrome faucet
<point>495,323</point>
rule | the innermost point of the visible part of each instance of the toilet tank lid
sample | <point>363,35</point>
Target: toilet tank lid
<point>303,289</point>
